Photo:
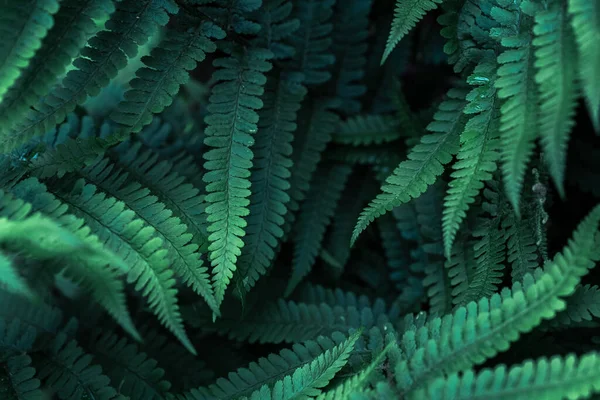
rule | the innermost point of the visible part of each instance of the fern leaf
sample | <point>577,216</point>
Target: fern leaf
<point>350,45</point>
<point>233,14</point>
<point>583,305</point>
<point>291,322</point>
<point>308,380</point>
<point>86,260</point>
<point>73,25</point>
<point>425,162</point>
<point>315,215</point>
<point>130,239</point>
<point>270,178</point>
<point>487,327</point>
<point>521,246</point>
<point>232,124</point>
<point>312,40</point>
<point>24,26</point>
<point>70,373</point>
<point>586,26</point>
<point>21,379</point>
<point>556,378</point>
<point>182,251</point>
<point>357,383</point>
<point>319,356</point>
<point>166,70</point>
<point>364,130</point>
<point>130,26</point>
<point>277,26</point>
<point>477,155</point>
<point>555,60</point>
<point>134,373</point>
<point>517,88</point>
<point>406,15</point>
<point>437,280</point>
<point>313,134</point>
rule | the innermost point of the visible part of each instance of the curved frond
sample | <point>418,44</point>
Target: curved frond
<point>425,161</point>
<point>551,379</point>
<point>479,330</point>
<point>309,380</point>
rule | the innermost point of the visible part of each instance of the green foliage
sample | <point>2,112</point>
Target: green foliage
<point>188,190</point>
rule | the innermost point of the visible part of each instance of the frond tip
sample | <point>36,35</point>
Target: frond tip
<point>406,16</point>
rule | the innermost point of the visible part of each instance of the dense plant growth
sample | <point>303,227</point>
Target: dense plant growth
<point>289,199</point>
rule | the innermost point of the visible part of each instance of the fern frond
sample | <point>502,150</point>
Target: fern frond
<point>556,63</point>
<point>182,250</point>
<point>73,25</point>
<point>166,69</point>
<point>315,215</point>
<point>309,380</point>
<point>437,280</point>
<point>270,178</point>
<point>87,262</point>
<point>133,372</point>
<point>16,337</point>
<point>489,261</point>
<point>357,383</point>
<point>425,162</point>
<point>520,240</point>
<point>129,27</point>
<point>461,266</point>
<point>313,40</point>
<point>368,129</point>
<point>232,14</point>
<point>316,122</point>
<point>232,124</point>
<point>586,27</point>
<point>583,305</point>
<point>21,378</point>
<point>476,158</point>
<point>406,15</point>
<point>517,88</point>
<point>319,357</point>
<point>350,45</point>
<point>556,378</point>
<point>316,294</point>
<point>24,26</point>
<point>69,371</point>
<point>480,330</point>
<point>290,322</point>
<point>129,237</point>
<point>277,26</point>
